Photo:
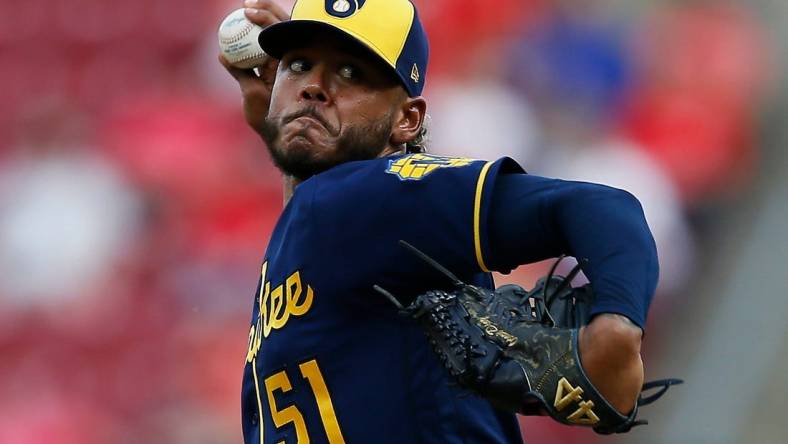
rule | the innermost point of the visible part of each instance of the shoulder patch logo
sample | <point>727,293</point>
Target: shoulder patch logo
<point>417,166</point>
<point>343,8</point>
<point>414,73</point>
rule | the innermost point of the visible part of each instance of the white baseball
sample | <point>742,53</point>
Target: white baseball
<point>238,41</point>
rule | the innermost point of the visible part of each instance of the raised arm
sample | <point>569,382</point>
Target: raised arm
<point>256,86</point>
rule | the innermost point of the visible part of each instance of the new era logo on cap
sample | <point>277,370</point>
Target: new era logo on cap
<point>343,8</point>
<point>391,29</point>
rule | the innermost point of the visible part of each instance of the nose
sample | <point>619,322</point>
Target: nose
<point>314,88</point>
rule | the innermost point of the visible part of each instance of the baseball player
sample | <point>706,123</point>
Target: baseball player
<point>339,106</point>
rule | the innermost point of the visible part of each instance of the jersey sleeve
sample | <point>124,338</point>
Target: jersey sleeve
<point>438,204</point>
<point>534,218</point>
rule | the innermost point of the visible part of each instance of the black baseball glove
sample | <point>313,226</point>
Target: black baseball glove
<point>509,347</point>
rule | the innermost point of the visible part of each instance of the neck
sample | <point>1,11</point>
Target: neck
<point>289,183</point>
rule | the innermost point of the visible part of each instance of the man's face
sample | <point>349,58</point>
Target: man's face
<point>332,102</point>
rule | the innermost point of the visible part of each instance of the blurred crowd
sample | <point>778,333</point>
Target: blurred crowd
<point>135,204</point>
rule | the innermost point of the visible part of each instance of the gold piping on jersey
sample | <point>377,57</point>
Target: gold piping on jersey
<point>477,209</point>
<point>259,403</point>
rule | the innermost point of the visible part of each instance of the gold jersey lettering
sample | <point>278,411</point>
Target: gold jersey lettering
<point>278,315</point>
<point>276,307</point>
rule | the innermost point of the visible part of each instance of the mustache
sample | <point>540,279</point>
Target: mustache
<point>310,112</point>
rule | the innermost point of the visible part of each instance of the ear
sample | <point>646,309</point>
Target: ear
<point>408,120</point>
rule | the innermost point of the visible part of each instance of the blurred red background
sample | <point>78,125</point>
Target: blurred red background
<point>135,204</point>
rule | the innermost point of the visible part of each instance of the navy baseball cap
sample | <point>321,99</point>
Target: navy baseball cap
<point>389,28</point>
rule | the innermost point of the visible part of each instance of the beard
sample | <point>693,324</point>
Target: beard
<point>359,142</point>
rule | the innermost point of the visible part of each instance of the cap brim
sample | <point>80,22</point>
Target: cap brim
<point>278,38</point>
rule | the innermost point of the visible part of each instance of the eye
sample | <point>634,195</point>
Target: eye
<point>299,65</point>
<point>349,72</point>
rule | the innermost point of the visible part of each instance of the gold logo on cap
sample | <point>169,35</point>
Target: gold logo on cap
<point>414,73</point>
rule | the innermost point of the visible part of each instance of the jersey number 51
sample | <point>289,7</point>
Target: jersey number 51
<point>279,381</point>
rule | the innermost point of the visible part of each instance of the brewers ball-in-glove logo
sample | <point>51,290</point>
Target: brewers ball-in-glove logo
<point>343,8</point>
<point>417,166</point>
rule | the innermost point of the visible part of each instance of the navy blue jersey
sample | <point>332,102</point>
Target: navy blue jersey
<point>329,359</point>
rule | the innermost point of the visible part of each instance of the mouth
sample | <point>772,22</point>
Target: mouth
<point>310,117</point>
<point>309,121</point>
